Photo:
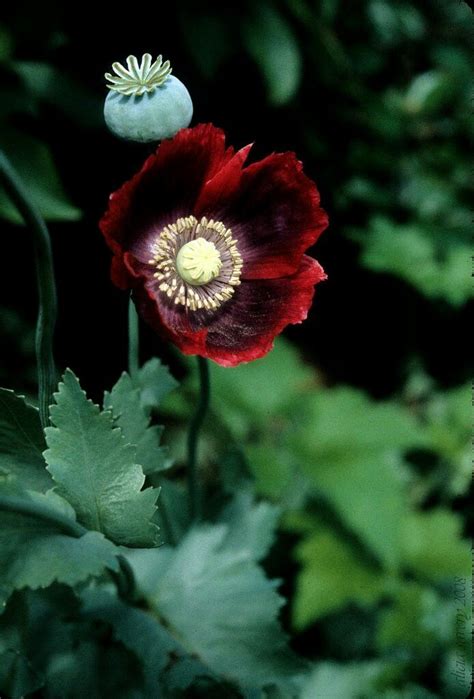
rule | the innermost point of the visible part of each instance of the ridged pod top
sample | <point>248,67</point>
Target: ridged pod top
<point>138,78</point>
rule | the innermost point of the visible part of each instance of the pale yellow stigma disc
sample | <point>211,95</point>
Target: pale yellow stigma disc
<point>198,262</point>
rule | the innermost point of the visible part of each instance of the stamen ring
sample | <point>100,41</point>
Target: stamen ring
<point>197,263</point>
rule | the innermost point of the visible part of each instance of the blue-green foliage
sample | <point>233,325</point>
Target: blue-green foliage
<point>376,541</point>
<point>206,612</point>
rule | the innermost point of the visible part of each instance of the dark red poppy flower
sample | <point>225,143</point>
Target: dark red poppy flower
<point>213,250</point>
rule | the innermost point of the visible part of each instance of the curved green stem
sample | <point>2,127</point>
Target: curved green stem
<point>193,436</point>
<point>125,579</point>
<point>133,340</point>
<point>167,523</point>
<point>46,285</point>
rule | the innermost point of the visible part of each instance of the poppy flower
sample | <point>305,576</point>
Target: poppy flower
<point>213,250</point>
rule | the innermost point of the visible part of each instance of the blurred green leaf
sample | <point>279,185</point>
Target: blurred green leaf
<point>47,83</point>
<point>141,633</point>
<point>367,191</point>
<point>395,22</point>
<point>206,584</point>
<point>96,470</point>
<point>249,394</point>
<point>411,254</point>
<point>343,424</point>
<point>433,547</point>
<point>331,577</point>
<point>34,164</point>
<point>66,635</point>
<point>17,677</point>
<point>351,681</point>
<point>30,615</point>
<point>385,20</point>
<point>412,21</point>
<point>448,428</point>
<point>452,58</point>
<point>429,92</point>
<point>436,196</point>
<point>269,39</point>
<point>125,403</point>
<point>418,623</point>
<point>22,442</point>
<point>155,382</point>
<point>273,470</point>
<point>252,525</point>
<point>350,447</point>
<point>95,669</point>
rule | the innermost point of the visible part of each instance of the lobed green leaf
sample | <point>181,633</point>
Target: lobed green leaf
<point>36,552</point>
<point>125,403</point>
<point>218,601</point>
<point>331,577</point>
<point>22,442</point>
<point>96,470</point>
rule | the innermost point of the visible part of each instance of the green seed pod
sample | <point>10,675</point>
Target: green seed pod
<point>145,102</point>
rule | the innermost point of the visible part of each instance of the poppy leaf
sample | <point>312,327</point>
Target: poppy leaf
<point>35,553</point>
<point>155,382</point>
<point>125,403</point>
<point>208,584</point>
<point>22,442</point>
<point>96,470</point>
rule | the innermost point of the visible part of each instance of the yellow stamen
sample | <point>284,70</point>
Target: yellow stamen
<point>197,264</point>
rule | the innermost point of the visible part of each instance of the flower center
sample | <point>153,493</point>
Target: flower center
<point>197,263</point>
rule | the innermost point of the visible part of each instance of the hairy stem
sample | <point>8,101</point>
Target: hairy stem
<point>193,437</point>
<point>46,284</point>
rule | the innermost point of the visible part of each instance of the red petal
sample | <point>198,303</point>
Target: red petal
<point>259,311</point>
<point>217,191</point>
<point>171,322</point>
<point>275,216</point>
<point>119,273</point>
<point>247,325</point>
<point>166,187</point>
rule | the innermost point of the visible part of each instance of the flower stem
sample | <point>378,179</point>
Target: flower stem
<point>46,284</point>
<point>133,340</point>
<point>193,436</point>
<point>124,579</point>
<point>167,524</point>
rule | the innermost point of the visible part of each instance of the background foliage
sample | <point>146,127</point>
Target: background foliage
<point>344,457</point>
